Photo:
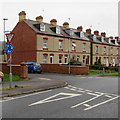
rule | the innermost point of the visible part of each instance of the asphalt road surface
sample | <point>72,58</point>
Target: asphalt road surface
<point>84,97</point>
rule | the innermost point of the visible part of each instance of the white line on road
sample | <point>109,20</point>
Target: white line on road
<point>67,95</point>
<point>86,101</point>
<point>25,95</point>
<point>101,103</point>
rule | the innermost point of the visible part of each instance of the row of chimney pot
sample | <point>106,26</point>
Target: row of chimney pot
<point>22,16</point>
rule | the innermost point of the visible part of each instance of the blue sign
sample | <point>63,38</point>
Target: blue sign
<point>9,48</point>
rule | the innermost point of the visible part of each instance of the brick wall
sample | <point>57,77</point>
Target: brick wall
<point>56,68</point>
<point>21,70</point>
<point>24,42</point>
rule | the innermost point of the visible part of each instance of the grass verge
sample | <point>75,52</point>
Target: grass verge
<point>14,77</point>
<point>97,72</point>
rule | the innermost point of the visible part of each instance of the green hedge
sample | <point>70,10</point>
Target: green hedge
<point>100,67</point>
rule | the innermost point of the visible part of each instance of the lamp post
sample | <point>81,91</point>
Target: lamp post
<point>4,39</point>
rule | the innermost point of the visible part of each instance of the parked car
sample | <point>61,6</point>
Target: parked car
<point>77,63</point>
<point>34,67</point>
<point>1,76</point>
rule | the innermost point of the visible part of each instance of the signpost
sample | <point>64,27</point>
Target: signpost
<point>9,50</point>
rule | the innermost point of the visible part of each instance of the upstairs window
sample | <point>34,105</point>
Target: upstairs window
<point>73,46</point>
<point>60,44</point>
<point>45,42</point>
<point>111,51</point>
<point>58,30</point>
<point>84,47</point>
<point>42,27</point>
<point>82,34</point>
<point>96,49</point>
<point>104,49</point>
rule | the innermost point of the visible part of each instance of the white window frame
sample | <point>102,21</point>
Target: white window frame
<point>84,60</point>
<point>82,34</point>
<point>66,59</point>
<point>111,50</point>
<point>42,27</point>
<point>96,49</point>
<point>60,44</point>
<point>45,58</point>
<point>104,49</point>
<point>51,58</point>
<point>84,47</point>
<point>73,46</point>
<point>78,58</point>
<point>45,43</point>
<point>60,59</point>
<point>58,31</point>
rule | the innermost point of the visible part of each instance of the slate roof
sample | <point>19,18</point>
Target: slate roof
<point>66,32</point>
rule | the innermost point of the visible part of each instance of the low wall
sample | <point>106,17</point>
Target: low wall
<point>21,70</point>
<point>56,68</point>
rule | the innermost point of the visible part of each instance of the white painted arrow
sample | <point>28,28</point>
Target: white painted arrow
<point>53,98</point>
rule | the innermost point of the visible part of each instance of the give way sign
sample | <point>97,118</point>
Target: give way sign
<point>9,37</point>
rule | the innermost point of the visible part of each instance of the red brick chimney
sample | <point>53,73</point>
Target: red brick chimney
<point>103,34</point>
<point>96,33</point>
<point>88,31</point>
<point>117,38</point>
<point>39,19</point>
<point>80,28</point>
<point>53,22</point>
<point>111,37</point>
<point>66,24</point>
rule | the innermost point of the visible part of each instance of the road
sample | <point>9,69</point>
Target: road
<point>84,97</point>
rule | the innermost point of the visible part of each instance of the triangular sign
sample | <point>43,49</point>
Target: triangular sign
<point>9,37</point>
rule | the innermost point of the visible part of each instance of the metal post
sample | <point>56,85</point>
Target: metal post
<point>69,55</point>
<point>10,71</point>
<point>4,40</point>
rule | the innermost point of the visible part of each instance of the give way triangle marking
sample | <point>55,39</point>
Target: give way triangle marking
<point>60,96</point>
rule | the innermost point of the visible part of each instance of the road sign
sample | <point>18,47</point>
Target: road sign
<point>9,37</point>
<point>9,48</point>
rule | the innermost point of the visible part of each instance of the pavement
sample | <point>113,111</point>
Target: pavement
<point>29,86</point>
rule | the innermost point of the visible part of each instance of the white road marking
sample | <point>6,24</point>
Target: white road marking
<point>25,96</point>
<point>92,94</point>
<point>44,78</point>
<point>87,105</point>
<point>108,96</point>
<point>86,101</point>
<point>69,95</point>
<point>101,103</point>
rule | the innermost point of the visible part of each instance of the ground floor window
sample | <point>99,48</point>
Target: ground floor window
<point>78,58</point>
<point>84,59</point>
<point>66,60</point>
<point>60,59</point>
<point>51,59</point>
<point>44,58</point>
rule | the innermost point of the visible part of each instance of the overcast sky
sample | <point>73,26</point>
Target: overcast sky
<point>99,15</point>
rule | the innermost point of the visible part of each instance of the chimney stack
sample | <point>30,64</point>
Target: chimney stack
<point>88,31</point>
<point>22,15</point>
<point>96,33</point>
<point>103,34</point>
<point>39,19</point>
<point>117,38</point>
<point>53,22</point>
<point>66,25</point>
<point>80,28</point>
<point>111,37</point>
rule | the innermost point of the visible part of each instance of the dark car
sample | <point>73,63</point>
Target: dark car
<point>34,67</point>
<point>77,63</point>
